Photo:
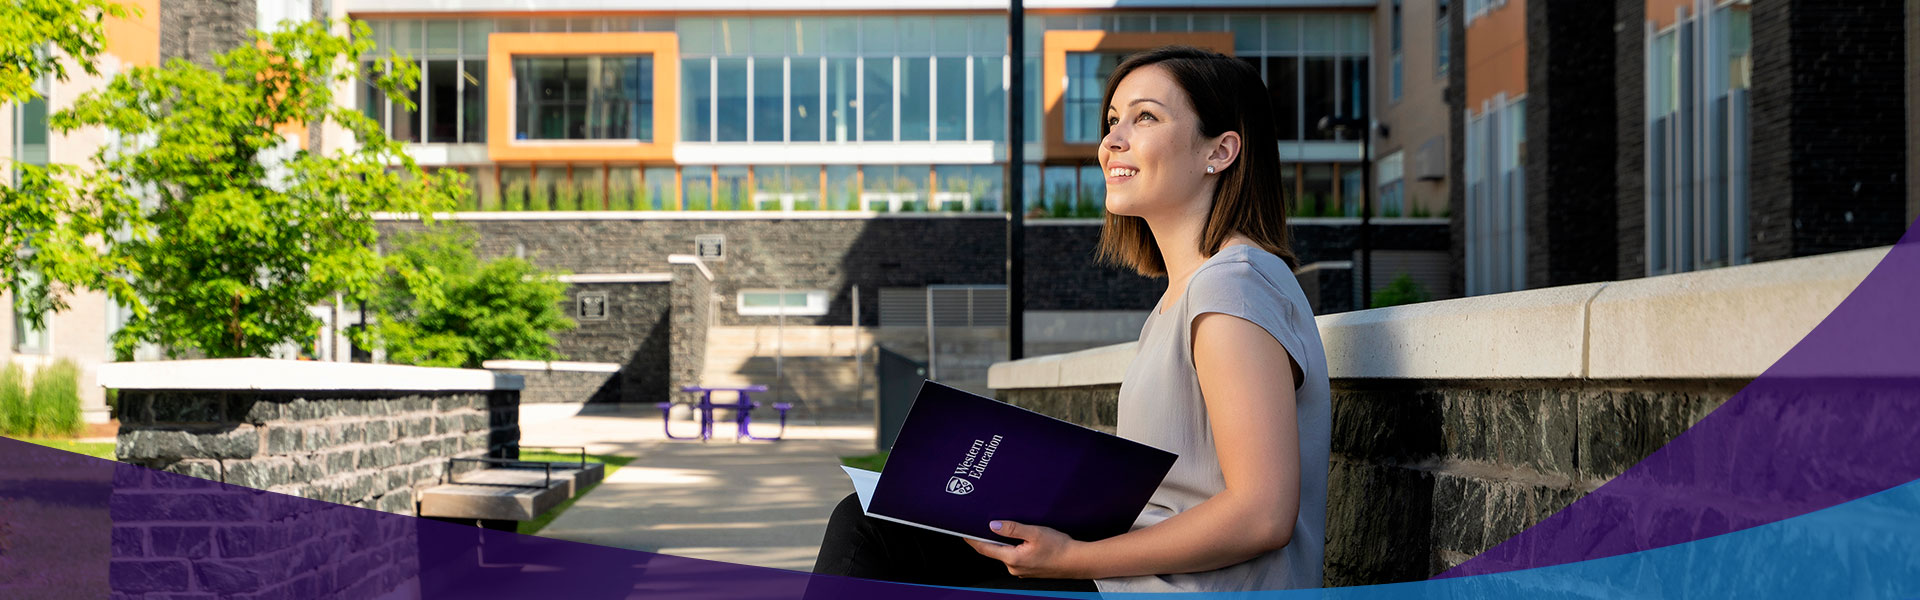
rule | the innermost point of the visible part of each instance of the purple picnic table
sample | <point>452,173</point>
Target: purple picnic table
<point>743,412</point>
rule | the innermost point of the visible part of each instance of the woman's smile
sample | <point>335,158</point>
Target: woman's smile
<point>1118,172</point>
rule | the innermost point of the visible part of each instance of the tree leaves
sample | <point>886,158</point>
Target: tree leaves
<point>440,306</point>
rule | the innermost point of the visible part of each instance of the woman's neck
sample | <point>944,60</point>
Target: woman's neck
<point>1179,239</point>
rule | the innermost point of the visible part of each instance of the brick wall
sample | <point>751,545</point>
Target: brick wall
<point>1425,474</point>
<point>692,315</point>
<point>197,30</point>
<point>365,449</point>
<point>199,524</point>
<point>635,335</point>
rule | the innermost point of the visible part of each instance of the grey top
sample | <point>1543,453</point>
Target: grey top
<point>1160,405</point>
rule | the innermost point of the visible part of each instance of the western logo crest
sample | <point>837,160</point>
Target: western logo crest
<point>958,486</point>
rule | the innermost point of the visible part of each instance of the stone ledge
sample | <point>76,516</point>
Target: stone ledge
<point>558,365</point>
<point>1732,322</point>
<point>296,375</point>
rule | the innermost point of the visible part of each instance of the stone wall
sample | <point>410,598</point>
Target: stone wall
<point>1426,474</point>
<point>634,334</point>
<point>558,385</point>
<point>691,316</point>
<point>1459,423</point>
<point>365,449</point>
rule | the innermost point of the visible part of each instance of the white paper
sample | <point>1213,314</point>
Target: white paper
<point>863,484</point>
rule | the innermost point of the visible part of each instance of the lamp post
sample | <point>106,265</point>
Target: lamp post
<point>1338,125</point>
<point>1016,182</point>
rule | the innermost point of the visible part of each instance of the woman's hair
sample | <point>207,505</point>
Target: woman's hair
<point>1228,96</point>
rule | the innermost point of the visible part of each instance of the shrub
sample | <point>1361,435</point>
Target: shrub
<point>566,196</point>
<point>1421,212</point>
<point>619,198</point>
<point>593,198</point>
<point>538,198</point>
<point>56,399</point>
<point>1403,290</point>
<point>516,197</point>
<point>16,417</point>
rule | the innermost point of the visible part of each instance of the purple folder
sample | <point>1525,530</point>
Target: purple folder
<point>963,460</point>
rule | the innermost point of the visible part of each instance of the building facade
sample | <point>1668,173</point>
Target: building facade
<point>1614,140</point>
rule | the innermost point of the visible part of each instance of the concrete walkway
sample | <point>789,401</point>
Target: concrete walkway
<point>755,503</point>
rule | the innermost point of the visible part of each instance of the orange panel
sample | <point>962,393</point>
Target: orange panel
<point>1661,11</point>
<point>136,39</point>
<point>502,47</point>
<point>1497,54</point>
<point>1053,72</point>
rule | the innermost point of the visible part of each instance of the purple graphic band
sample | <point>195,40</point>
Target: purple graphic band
<point>1832,421</point>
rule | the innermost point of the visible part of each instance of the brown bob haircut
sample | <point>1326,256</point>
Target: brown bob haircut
<point>1228,96</point>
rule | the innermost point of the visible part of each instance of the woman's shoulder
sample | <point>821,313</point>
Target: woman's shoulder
<point>1240,269</point>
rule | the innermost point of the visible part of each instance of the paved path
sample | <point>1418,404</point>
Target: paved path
<point>756,503</point>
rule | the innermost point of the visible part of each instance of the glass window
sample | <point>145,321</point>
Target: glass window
<point>1246,32</point>
<point>953,189</point>
<point>950,34</point>
<point>843,35</point>
<point>1353,91</point>
<point>1316,192</point>
<point>589,188</point>
<point>1283,86</point>
<point>781,302</point>
<point>876,99</point>
<point>442,81</point>
<point>770,36</point>
<point>1319,33</point>
<point>1086,77</point>
<point>951,98</point>
<point>696,182</point>
<point>405,38</point>
<point>1356,34</point>
<point>730,189</point>
<point>373,102</point>
<point>1352,184</point>
<point>584,97</point>
<point>512,26</point>
<point>584,25</point>
<point>989,35</point>
<point>473,97</point>
<point>769,91</point>
<point>1091,201</point>
<point>697,36</point>
<point>843,191</point>
<point>624,188</point>
<point>988,185</point>
<point>443,38</point>
<point>1283,33</point>
<point>1320,97</point>
<point>1170,23</point>
<point>877,37</point>
<point>989,98</point>
<point>1442,30</point>
<point>916,97</point>
<point>550,25</point>
<point>1132,23</point>
<point>515,185</point>
<point>804,115</point>
<point>736,37</point>
<point>915,36</point>
<point>1211,22</point>
<point>730,100</point>
<point>662,190</point>
<point>546,185</point>
<point>406,121</point>
<point>808,37</point>
<point>1060,181</point>
<point>804,182</point>
<point>696,100</point>
<point>842,105</point>
<point>28,339</point>
<point>1030,198</point>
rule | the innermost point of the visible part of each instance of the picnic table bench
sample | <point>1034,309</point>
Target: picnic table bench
<point>743,412</point>
<point>507,491</point>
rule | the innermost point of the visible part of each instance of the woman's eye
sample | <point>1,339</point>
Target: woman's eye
<point>1147,116</point>
<point>1111,121</point>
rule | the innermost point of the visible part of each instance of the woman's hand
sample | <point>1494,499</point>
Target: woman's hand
<point>1043,552</point>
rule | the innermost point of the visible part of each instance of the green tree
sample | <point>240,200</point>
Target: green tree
<point>49,233</point>
<point>440,306</point>
<point>245,229</point>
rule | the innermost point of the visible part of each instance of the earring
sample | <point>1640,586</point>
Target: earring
<point>1209,168</point>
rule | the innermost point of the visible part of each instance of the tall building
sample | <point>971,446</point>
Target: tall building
<point>1611,140</point>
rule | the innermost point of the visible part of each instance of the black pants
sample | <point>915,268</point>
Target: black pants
<point>857,545</point>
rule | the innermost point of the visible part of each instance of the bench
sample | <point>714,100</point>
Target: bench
<point>507,491</point>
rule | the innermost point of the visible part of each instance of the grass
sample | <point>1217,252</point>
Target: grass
<point>93,449</point>
<point>613,463</point>
<point>870,462</point>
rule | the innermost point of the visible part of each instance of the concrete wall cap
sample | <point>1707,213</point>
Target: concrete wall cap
<point>1732,322</point>
<point>689,259</point>
<point>558,365</point>
<point>296,375</point>
<point>617,278</point>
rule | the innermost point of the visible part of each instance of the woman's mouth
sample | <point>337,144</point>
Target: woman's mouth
<point>1121,174</point>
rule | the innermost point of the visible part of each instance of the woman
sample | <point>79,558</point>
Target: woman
<point>1230,373</point>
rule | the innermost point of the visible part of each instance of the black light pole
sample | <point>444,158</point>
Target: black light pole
<point>1016,182</point>
<point>1340,124</point>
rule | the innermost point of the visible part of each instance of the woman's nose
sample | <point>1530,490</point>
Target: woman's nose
<point>1115,141</point>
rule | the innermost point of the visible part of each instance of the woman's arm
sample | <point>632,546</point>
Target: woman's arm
<point>1247,381</point>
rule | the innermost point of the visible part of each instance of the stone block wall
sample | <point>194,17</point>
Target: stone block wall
<point>562,386</point>
<point>176,536</point>
<point>1427,473</point>
<point>689,319</point>
<point>634,335</point>
<point>364,449</point>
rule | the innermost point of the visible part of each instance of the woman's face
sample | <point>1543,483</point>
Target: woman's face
<point>1153,156</point>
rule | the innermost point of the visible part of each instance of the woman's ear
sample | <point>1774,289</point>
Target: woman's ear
<point>1226,149</point>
